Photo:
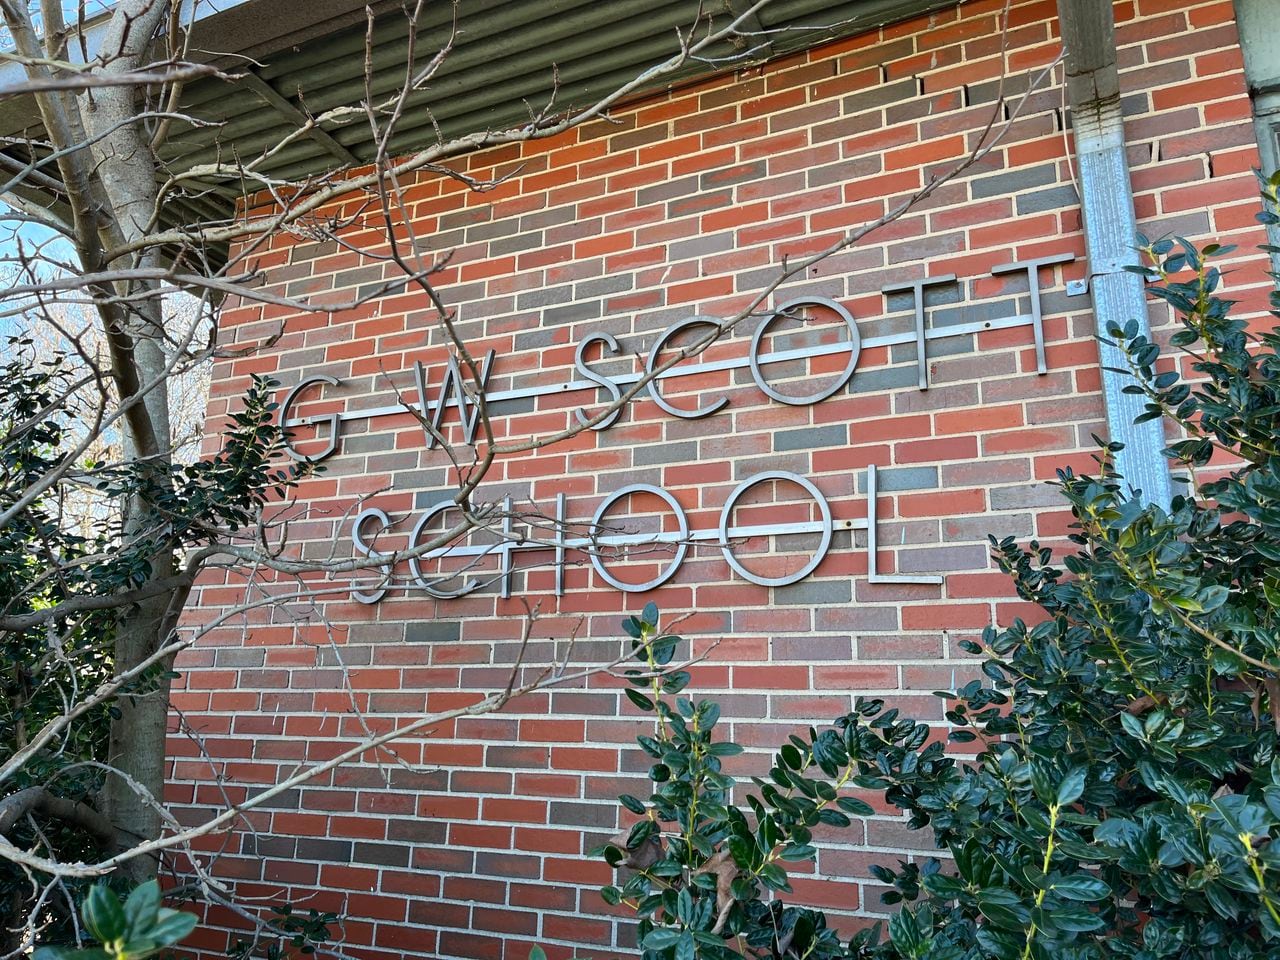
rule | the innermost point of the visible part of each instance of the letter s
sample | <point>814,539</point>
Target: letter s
<point>581,366</point>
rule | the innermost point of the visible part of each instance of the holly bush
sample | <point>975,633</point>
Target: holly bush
<point>65,549</point>
<point>1124,797</point>
<point>130,930</point>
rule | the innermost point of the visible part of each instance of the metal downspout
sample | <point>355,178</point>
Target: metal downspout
<point>1110,227</point>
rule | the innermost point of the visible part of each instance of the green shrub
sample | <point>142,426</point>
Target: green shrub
<point>136,928</point>
<point>1124,801</point>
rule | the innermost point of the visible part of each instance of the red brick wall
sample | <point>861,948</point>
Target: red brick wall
<point>684,205</point>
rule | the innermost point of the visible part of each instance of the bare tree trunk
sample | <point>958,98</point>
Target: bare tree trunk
<point>127,170</point>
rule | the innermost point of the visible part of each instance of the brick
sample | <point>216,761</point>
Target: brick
<point>902,478</point>
<point>950,448</point>
<point>686,206</point>
<point>433,631</point>
<point>1013,182</point>
<point>810,438</point>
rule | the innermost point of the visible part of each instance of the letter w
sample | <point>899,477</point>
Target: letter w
<point>464,396</point>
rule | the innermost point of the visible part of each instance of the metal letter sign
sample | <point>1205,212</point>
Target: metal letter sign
<point>453,392</point>
<point>724,536</point>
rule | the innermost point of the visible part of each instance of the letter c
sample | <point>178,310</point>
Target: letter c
<point>654,392</point>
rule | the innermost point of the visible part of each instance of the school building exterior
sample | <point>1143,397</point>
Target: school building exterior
<point>825,476</point>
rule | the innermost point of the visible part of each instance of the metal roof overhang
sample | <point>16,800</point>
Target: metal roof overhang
<point>304,59</point>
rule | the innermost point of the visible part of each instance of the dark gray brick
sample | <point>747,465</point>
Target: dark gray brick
<point>417,830</point>
<point>845,170</point>
<point>526,653</point>
<point>1190,224</point>
<point>1055,198</point>
<point>313,251</point>
<point>937,397</point>
<point>493,229</point>
<point>1058,302</point>
<point>938,295</point>
<point>576,814</point>
<point>858,616</point>
<point>885,378</point>
<point>1136,104</point>
<point>239,657</point>
<point>931,247</point>
<point>892,479</point>
<point>653,453</point>
<point>881,96</point>
<point>441,240</point>
<point>344,655</point>
<point>418,780</point>
<point>548,218</point>
<point>946,347</point>
<point>848,126</point>
<point>943,559</point>
<point>427,498</point>
<point>812,438</point>
<point>1030,495</point>
<point>383,854</point>
<point>638,138</point>
<point>602,286</point>
<point>507,865</point>
<point>433,631</point>
<point>739,173</point>
<point>1011,86</point>
<point>573,312</point>
<point>511,408</point>
<point>368,443</point>
<point>979,311</point>
<point>1016,181</point>
<point>287,800</point>
<point>419,479</point>
<point>994,524</point>
<point>537,338</point>
<point>528,756</point>
<point>813,648</point>
<point>466,217</point>
<point>700,246</point>
<point>265,845</point>
<point>795,462</point>
<point>359,275</point>
<point>667,190</point>
<point>544,297</point>
<point>369,290</point>
<point>817,592</point>
<point>316,848</point>
<point>516,244</point>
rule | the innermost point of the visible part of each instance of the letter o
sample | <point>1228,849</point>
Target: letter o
<point>727,512</point>
<point>855,351</point>
<point>681,549</point>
